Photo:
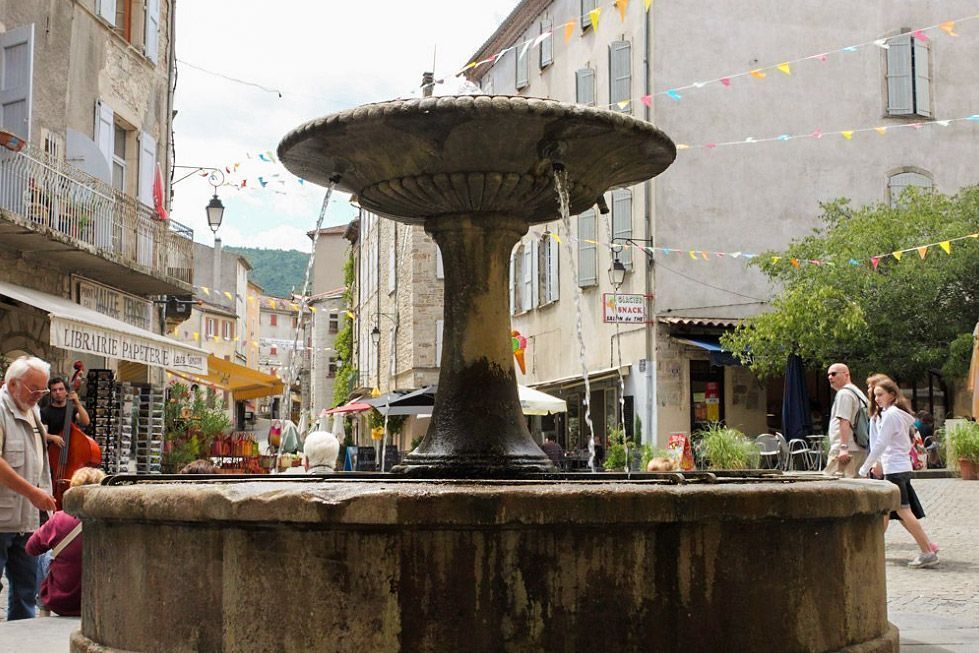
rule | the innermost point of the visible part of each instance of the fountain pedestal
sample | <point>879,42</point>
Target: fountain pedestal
<point>484,566</point>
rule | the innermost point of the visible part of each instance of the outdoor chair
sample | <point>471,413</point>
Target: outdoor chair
<point>783,452</point>
<point>800,449</point>
<point>769,450</point>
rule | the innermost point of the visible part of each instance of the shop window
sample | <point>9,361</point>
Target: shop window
<point>706,394</point>
<point>587,249</point>
<point>908,77</point>
<point>585,86</point>
<point>620,76</point>
<point>899,181</point>
<point>547,45</point>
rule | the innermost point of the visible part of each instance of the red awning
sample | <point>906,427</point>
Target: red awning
<point>352,407</point>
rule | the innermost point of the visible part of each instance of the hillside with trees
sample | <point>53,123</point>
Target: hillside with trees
<point>279,272</point>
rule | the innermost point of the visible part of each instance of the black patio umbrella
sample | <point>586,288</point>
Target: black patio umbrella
<point>417,402</point>
<point>796,416</point>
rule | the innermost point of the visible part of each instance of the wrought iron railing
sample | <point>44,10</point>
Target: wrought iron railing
<point>49,195</point>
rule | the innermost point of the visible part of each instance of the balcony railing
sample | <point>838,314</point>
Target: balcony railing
<point>52,196</point>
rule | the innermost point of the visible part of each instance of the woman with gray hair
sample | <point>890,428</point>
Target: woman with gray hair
<point>320,452</point>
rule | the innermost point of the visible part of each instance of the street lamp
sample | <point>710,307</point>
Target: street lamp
<point>376,336</point>
<point>214,208</point>
<point>616,273</point>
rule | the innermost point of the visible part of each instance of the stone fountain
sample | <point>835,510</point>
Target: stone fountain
<point>474,545</point>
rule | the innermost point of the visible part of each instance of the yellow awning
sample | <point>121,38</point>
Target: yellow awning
<point>243,382</point>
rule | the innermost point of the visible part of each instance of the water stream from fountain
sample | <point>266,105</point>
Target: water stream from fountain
<point>561,186</point>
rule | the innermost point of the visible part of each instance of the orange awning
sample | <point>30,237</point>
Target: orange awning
<point>242,382</point>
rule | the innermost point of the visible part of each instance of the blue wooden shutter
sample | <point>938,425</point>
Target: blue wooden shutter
<point>587,251</point>
<point>620,74</point>
<point>16,74</point>
<point>622,222</point>
<point>586,6</point>
<point>151,42</point>
<point>922,79</point>
<point>522,57</point>
<point>107,10</point>
<point>585,86</point>
<point>535,276</point>
<point>553,271</point>
<point>547,45</point>
<point>900,99</point>
<point>105,132</point>
<point>147,168</point>
<point>527,276</point>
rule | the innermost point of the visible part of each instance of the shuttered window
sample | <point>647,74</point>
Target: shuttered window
<point>620,75</point>
<point>586,6</point>
<point>522,51</point>
<point>16,73</point>
<point>105,135</point>
<point>587,249</point>
<point>908,77</point>
<point>896,184</point>
<point>547,45</point>
<point>147,168</point>
<point>107,10</point>
<point>151,41</point>
<point>549,270</point>
<point>622,223</point>
<point>585,86</point>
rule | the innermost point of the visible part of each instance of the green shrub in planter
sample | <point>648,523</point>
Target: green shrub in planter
<point>727,448</point>
<point>963,445</point>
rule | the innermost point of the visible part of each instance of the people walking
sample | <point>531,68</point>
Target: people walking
<point>25,478</point>
<point>892,448</point>
<point>845,454</point>
<point>61,586</point>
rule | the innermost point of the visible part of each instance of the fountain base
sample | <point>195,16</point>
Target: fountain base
<point>407,565</point>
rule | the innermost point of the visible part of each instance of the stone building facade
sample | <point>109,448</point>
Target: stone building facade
<point>745,197</point>
<point>85,119</point>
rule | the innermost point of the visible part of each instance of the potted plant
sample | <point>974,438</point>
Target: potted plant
<point>726,448</point>
<point>963,443</point>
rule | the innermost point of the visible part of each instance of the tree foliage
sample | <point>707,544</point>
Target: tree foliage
<point>344,343</point>
<point>277,271</point>
<point>904,318</point>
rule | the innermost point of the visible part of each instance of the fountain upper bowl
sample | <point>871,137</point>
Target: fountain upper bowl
<point>411,160</point>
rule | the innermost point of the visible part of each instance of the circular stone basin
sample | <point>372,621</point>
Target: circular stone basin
<point>408,565</point>
<point>416,159</point>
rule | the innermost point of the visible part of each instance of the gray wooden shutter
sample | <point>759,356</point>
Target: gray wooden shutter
<point>104,131</point>
<point>527,277</point>
<point>547,45</point>
<point>107,10</point>
<point>585,86</point>
<point>587,251</point>
<point>586,6</point>
<point>151,42</point>
<point>535,273</point>
<point>553,270</point>
<point>922,79</point>
<point>513,280</point>
<point>900,100</point>
<point>16,75</point>
<point>147,168</point>
<point>620,74</point>
<point>622,222</point>
<point>522,57</point>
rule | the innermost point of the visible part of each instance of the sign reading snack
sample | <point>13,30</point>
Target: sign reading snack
<point>78,336</point>
<point>630,309</point>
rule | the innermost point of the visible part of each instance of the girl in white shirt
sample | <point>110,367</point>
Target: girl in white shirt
<point>892,449</point>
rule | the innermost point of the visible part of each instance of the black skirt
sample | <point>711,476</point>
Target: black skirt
<point>903,481</point>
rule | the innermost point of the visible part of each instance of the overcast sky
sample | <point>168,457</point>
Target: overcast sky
<point>323,57</point>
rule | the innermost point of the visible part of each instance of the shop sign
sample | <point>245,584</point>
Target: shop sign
<point>115,303</point>
<point>629,309</point>
<point>284,343</point>
<point>89,339</point>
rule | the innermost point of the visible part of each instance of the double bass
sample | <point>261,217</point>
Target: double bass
<point>78,451</point>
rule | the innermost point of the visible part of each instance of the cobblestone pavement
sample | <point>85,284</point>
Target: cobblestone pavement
<point>952,588</point>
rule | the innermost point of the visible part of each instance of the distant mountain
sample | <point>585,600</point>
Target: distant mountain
<point>277,271</point>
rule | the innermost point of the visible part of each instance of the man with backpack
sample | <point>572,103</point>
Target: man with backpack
<point>848,425</point>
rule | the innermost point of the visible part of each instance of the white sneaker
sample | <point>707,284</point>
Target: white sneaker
<point>924,560</point>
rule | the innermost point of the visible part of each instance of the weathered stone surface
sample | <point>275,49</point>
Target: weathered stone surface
<point>489,566</point>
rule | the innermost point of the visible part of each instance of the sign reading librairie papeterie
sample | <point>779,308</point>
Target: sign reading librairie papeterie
<point>629,309</point>
<point>89,339</point>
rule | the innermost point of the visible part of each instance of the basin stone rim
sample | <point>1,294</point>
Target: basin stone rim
<point>475,104</point>
<point>435,504</point>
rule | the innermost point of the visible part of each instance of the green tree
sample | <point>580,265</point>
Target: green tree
<point>344,344</point>
<point>903,316</point>
<point>279,272</point>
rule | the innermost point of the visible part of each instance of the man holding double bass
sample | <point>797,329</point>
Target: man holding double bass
<point>56,414</point>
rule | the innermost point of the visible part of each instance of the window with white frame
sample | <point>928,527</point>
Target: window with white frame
<point>547,44</point>
<point>622,223</point>
<point>620,75</point>
<point>587,249</point>
<point>210,327</point>
<point>227,330</point>
<point>908,77</point>
<point>549,266</point>
<point>334,322</point>
<point>585,7</point>
<point>900,181</point>
<point>585,86</point>
<point>119,138</point>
